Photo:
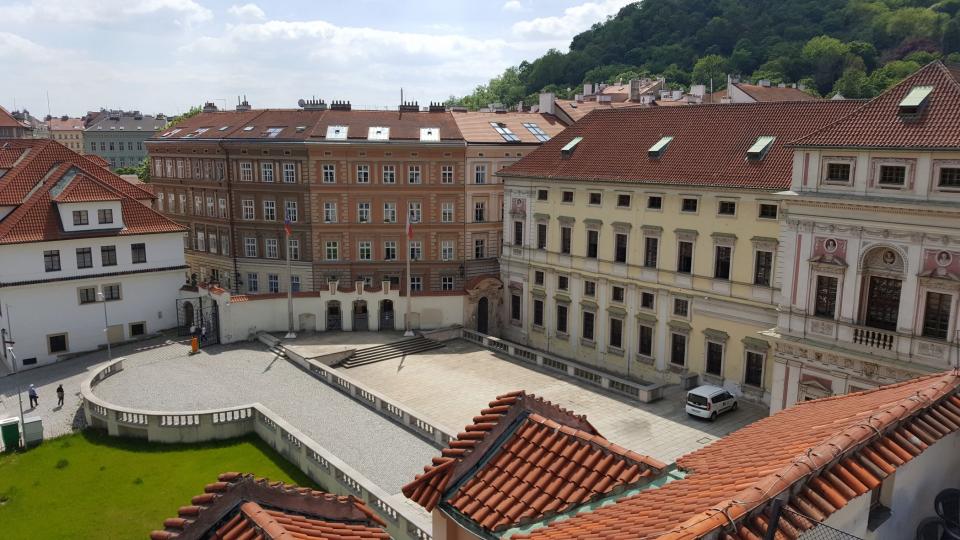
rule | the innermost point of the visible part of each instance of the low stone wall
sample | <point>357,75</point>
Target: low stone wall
<point>332,474</point>
<point>433,433</point>
<point>443,334</point>
<point>643,392</point>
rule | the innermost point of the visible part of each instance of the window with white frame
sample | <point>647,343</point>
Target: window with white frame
<point>446,283</point>
<point>197,205</point>
<point>266,172</point>
<point>295,283</point>
<point>446,250</point>
<point>329,173</point>
<point>332,250</point>
<point>414,211</point>
<point>389,174</point>
<point>179,166</point>
<point>446,212</point>
<point>225,245</point>
<point>212,242</point>
<point>221,170</point>
<point>183,203</point>
<point>479,248</point>
<point>416,250</point>
<point>413,174</point>
<point>480,173</point>
<point>249,246</point>
<point>273,283</point>
<point>157,167</point>
<point>270,210</point>
<point>363,173</point>
<point>271,248</point>
<point>446,174</point>
<point>246,171</point>
<point>365,250</point>
<point>210,207</point>
<point>389,212</point>
<point>247,209</point>
<point>329,212</point>
<point>289,173</point>
<point>479,211</point>
<point>390,250</point>
<point>201,244</point>
<point>293,245</point>
<point>169,164</point>
<point>160,201</point>
<point>291,212</point>
<point>363,212</point>
<point>253,282</point>
<point>416,283</point>
<point>222,207</point>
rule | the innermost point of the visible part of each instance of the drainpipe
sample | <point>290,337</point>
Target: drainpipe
<point>235,288</point>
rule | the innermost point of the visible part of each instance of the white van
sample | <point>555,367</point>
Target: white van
<point>708,401</point>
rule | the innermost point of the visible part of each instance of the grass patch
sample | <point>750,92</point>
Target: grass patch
<point>90,485</point>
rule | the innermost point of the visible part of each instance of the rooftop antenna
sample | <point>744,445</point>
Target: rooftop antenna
<point>48,105</point>
<point>400,108</point>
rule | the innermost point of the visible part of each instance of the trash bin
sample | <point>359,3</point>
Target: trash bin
<point>10,433</point>
<point>32,430</point>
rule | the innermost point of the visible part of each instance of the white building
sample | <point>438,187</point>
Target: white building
<point>872,240</point>
<point>84,257</point>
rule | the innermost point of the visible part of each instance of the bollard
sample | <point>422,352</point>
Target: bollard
<point>194,345</point>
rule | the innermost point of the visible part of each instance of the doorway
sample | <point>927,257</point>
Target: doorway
<point>483,309</point>
<point>360,322</point>
<point>334,321</point>
<point>386,315</point>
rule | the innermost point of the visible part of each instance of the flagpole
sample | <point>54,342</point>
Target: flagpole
<point>408,331</point>
<point>290,333</point>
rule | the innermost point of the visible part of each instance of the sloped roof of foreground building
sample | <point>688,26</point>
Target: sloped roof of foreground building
<point>816,456</point>
<point>241,506</point>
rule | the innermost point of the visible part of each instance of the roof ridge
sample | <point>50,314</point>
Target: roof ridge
<point>264,521</point>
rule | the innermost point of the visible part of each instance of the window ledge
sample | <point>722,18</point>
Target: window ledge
<point>588,343</point>
<point>614,351</point>
<point>648,360</point>
<point>536,328</point>
<point>562,335</point>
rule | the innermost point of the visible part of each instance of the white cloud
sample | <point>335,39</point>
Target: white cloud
<point>247,11</point>
<point>574,20</point>
<point>512,5</point>
<point>101,11</point>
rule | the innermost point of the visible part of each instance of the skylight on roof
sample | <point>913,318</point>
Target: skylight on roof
<point>378,133</point>
<point>915,99</point>
<point>301,129</point>
<point>196,133</point>
<point>537,132</point>
<point>660,146</point>
<point>249,128</point>
<point>430,134</point>
<point>170,133</point>
<point>224,128</point>
<point>504,132</point>
<point>568,148</point>
<point>760,148</point>
<point>337,132</point>
<point>272,133</point>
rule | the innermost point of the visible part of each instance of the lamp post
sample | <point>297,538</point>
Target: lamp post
<point>106,324</point>
<point>9,345</point>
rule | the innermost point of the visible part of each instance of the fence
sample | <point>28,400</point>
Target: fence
<point>315,461</point>
<point>644,392</point>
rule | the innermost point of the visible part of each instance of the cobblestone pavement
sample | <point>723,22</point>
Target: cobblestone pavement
<point>166,379</point>
<point>60,420</point>
<point>451,385</point>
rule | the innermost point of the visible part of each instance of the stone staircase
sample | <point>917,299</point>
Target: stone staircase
<point>390,350</point>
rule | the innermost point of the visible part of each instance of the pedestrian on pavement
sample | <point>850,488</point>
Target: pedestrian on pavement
<point>203,334</point>
<point>60,396</point>
<point>34,399</point>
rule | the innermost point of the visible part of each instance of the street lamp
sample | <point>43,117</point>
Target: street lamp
<point>19,383</point>
<point>106,325</point>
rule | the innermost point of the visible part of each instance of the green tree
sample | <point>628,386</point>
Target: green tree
<point>826,56</point>
<point>713,68</point>
<point>853,84</point>
<point>892,73</point>
<point>951,36</point>
<point>142,170</point>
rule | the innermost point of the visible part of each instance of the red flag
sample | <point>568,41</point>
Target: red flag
<point>409,227</point>
<point>286,227</point>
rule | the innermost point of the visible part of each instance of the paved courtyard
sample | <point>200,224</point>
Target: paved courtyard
<point>166,379</point>
<point>450,386</point>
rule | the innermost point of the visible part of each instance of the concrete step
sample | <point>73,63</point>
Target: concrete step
<point>389,351</point>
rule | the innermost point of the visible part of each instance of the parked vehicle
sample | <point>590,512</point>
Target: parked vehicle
<point>709,401</point>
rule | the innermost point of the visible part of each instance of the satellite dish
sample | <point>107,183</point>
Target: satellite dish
<point>301,102</point>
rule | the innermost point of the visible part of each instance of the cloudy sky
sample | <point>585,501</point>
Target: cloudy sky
<point>166,55</point>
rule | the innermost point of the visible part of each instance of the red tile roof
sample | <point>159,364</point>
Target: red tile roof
<point>405,126</point>
<point>241,506</point>
<point>7,120</point>
<point>577,110</point>
<point>877,123</point>
<point>97,160</point>
<point>475,126</point>
<point>774,93</point>
<point>28,186</point>
<point>709,146</point>
<point>70,124</point>
<point>524,459</point>
<point>820,453</point>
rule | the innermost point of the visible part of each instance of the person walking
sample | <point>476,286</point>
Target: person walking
<point>34,398</point>
<point>60,396</point>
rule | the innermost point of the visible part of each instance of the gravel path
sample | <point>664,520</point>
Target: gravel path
<point>166,379</point>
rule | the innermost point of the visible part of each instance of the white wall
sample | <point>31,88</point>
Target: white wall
<point>66,216</point>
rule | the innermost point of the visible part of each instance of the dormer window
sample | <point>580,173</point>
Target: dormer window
<point>431,134</point>
<point>760,148</point>
<point>337,133</point>
<point>273,132</point>
<point>105,216</point>
<point>659,147</point>
<point>568,148</point>
<point>915,101</point>
<point>838,172</point>
<point>80,217</point>
<point>892,175</point>
<point>378,133</point>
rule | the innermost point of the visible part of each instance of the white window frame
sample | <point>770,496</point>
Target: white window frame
<point>390,250</point>
<point>480,173</point>
<point>330,212</point>
<point>291,211</point>
<point>389,174</point>
<point>389,212</point>
<point>289,173</point>
<point>414,174</point>
<point>249,247</point>
<point>363,173</point>
<point>271,248</point>
<point>248,210</point>
<point>446,174</point>
<point>328,173</point>
<point>446,212</point>
<point>365,250</point>
<point>266,172</point>
<point>446,250</point>
<point>331,250</point>
<point>269,210</point>
<point>246,171</point>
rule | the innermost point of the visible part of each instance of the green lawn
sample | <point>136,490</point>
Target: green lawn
<point>90,485</point>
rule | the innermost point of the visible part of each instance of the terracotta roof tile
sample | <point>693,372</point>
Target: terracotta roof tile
<point>7,119</point>
<point>252,508</point>
<point>825,452</point>
<point>524,459</point>
<point>577,110</point>
<point>878,124</point>
<point>774,93</point>
<point>709,146</point>
<point>82,188</point>
<point>475,126</point>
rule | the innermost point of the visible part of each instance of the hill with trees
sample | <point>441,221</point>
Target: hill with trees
<point>857,48</point>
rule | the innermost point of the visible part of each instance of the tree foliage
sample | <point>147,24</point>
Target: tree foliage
<point>832,44</point>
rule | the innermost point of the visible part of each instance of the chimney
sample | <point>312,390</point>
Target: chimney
<point>520,106</point>
<point>664,94</point>
<point>764,83</point>
<point>698,90</point>
<point>437,107</point>
<point>243,105</point>
<point>604,99</point>
<point>801,86</point>
<point>336,105</point>
<point>409,106</point>
<point>781,85</point>
<point>634,89</point>
<point>587,89</point>
<point>312,104</point>
<point>578,98</point>
<point>209,107</point>
<point>677,94</point>
<point>546,103</point>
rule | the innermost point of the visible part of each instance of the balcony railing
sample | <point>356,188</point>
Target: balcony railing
<point>871,337</point>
